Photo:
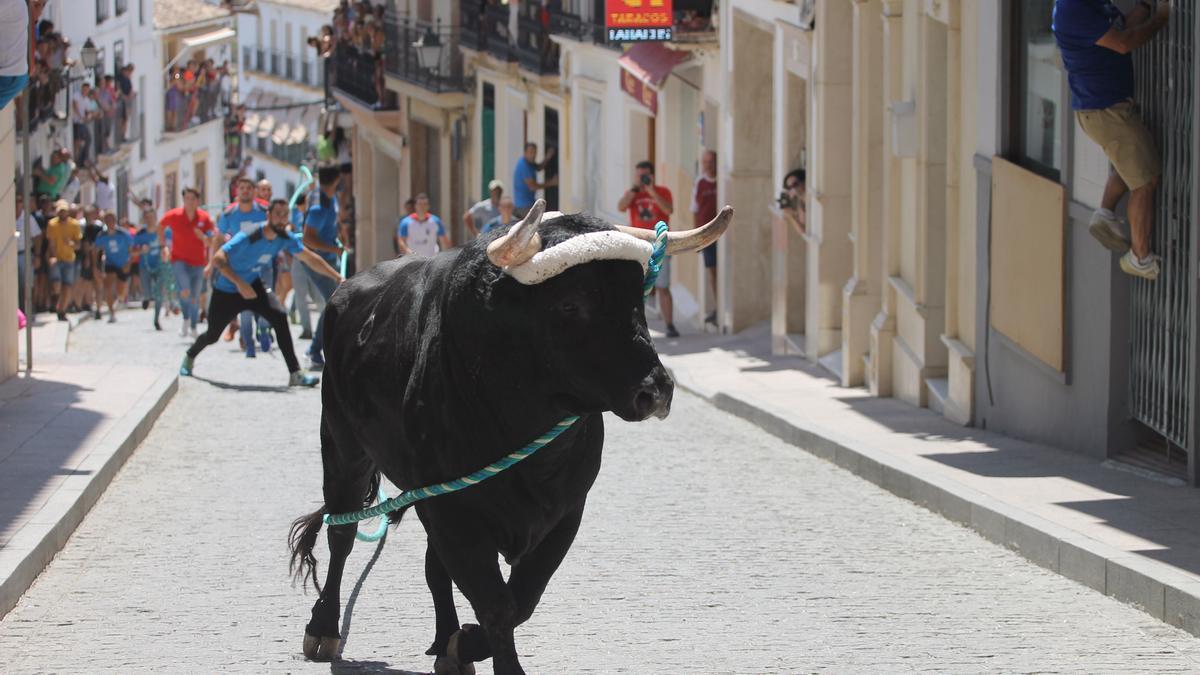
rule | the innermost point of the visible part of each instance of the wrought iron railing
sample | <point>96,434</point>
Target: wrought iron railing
<point>439,70</point>
<point>360,75</point>
<point>1163,346</point>
<point>536,52</point>
<point>501,43</point>
<point>693,21</point>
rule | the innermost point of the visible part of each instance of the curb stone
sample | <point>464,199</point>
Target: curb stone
<point>1153,587</point>
<point>72,501</point>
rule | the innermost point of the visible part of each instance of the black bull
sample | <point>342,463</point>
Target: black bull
<point>440,366</point>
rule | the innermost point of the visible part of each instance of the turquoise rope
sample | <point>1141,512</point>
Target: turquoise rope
<point>385,505</point>
<point>656,257</point>
<point>412,496</point>
<point>306,179</point>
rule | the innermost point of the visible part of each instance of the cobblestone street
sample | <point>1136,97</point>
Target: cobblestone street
<point>708,547</point>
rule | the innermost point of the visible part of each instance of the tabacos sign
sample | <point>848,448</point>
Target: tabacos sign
<point>638,20</point>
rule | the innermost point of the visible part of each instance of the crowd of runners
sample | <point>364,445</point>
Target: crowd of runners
<point>240,275</point>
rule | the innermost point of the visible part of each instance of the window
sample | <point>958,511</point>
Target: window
<point>1036,110</point>
<point>101,10</point>
<point>141,12</point>
<point>122,6</point>
<point>118,55</point>
<point>171,187</point>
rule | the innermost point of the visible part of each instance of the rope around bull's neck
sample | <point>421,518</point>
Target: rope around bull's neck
<point>386,506</point>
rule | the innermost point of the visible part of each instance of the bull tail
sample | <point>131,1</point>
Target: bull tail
<point>303,536</point>
<point>302,540</point>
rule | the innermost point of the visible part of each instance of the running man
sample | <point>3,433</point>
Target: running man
<point>321,235</point>
<point>240,262</point>
<point>117,245</point>
<point>189,229</point>
<point>246,215</point>
<point>63,235</point>
<point>154,271</point>
<point>421,232</point>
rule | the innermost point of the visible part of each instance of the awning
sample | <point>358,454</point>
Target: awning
<point>651,63</point>
<point>203,41</point>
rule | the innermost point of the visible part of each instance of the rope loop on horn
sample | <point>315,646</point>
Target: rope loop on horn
<point>656,258</point>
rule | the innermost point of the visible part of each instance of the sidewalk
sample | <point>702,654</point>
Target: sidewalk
<point>1131,536</point>
<point>65,432</point>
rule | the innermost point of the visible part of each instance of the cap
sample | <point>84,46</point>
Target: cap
<point>495,185</point>
<point>62,205</point>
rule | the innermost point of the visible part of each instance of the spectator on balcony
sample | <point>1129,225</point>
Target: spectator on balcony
<point>52,180</point>
<point>1096,39</point>
<point>174,100</point>
<point>234,124</point>
<point>525,185</point>
<point>478,216</point>
<point>84,112</point>
<point>125,103</point>
<point>106,196</point>
<point>225,86</point>
<point>106,99</point>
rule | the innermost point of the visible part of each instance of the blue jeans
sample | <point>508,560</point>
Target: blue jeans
<point>325,286</point>
<point>189,279</point>
<point>304,289</point>
<point>154,284</point>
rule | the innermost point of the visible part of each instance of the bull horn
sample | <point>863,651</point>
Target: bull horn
<point>522,240</point>
<point>687,240</point>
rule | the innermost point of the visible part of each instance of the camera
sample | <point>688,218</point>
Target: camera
<point>645,179</point>
<point>786,201</point>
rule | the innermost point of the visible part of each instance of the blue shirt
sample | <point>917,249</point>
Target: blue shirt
<point>116,245</point>
<point>234,220</point>
<point>251,254</point>
<point>421,236</point>
<point>1099,77</point>
<point>322,217</point>
<point>153,254</point>
<point>496,224</point>
<point>522,196</point>
<point>297,219</point>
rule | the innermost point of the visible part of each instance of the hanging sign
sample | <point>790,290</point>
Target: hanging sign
<point>638,20</point>
<point>640,91</point>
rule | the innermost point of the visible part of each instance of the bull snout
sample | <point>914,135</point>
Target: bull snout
<point>653,395</point>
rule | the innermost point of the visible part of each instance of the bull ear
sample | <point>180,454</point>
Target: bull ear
<point>522,240</point>
<point>687,240</point>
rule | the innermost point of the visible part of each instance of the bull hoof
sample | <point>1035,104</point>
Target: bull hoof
<point>321,648</point>
<point>446,665</point>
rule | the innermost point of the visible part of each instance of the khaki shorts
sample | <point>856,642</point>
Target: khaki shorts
<point>1120,131</point>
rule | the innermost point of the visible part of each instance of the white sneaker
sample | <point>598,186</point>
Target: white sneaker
<point>183,328</point>
<point>1105,227</point>
<point>1146,268</point>
<point>194,331</point>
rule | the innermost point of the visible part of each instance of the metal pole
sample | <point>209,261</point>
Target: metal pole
<point>27,104</point>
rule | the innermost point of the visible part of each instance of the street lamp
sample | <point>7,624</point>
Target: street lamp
<point>88,54</point>
<point>429,50</point>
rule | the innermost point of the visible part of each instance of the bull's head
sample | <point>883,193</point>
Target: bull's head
<point>580,290</point>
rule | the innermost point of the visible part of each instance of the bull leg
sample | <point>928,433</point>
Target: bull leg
<point>346,482</point>
<point>471,563</point>
<point>440,587</point>
<point>531,574</point>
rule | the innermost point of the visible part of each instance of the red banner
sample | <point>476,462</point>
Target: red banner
<point>640,91</point>
<point>638,20</point>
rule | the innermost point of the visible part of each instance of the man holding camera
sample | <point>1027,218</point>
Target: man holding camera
<point>647,204</point>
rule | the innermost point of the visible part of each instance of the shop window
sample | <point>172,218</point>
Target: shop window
<point>1037,90</point>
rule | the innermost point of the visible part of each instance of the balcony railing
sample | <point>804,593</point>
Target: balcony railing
<point>535,50</point>
<point>183,109</point>
<point>306,68</point>
<point>360,76</point>
<point>581,20</point>
<point>275,69</point>
<point>569,25</point>
<point>472,34</point>
<point>500,43</point>
<point>109,132</point>
<point>312,71</point>
<point>444,72</point>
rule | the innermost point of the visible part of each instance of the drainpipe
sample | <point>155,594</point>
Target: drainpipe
<point>27,103</point>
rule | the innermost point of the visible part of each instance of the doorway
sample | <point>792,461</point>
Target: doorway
<point>550,140</point>
<point>488,136</point>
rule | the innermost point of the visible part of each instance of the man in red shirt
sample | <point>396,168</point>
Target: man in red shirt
<point>191,228</point>
<point>704,209</point>
<point>647,204</point>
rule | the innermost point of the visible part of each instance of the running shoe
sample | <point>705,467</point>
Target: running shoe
<point>96,316</point>
<point>185,368</point>
<point>183,327</point>
<point>112,318</point>
<point>671,331</point>
<point>264,341</point>
<point>317,361</point>
<point>1105,228</point>
<point>305,335</point>
<point>145,303</point>
<point>1147,268</point>
<point>194,332</point>
<point>157,325</point>
<point>300,379</point>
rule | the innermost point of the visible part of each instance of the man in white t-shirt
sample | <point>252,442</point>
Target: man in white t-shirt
<point>14,47</point>
<point>484,211</point>
<point>106,196</point>
<point>35,236</point>
<point>421,232</point>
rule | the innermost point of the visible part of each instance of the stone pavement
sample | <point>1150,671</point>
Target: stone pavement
<point>65,431</point>
<point>709,546</point>
<point>1118,530</point>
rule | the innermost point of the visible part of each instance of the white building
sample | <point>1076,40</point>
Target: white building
<point>280,73</point>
